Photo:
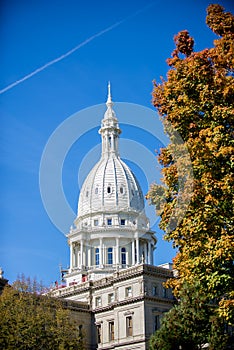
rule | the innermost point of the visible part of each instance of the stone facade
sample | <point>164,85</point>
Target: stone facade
<point>124,308</point>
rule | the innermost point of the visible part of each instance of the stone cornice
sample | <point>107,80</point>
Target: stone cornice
<point>117,276</point>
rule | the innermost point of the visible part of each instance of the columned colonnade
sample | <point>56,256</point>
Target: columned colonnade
<point>84,254</point>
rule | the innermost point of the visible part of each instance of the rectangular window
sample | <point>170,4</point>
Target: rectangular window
<point>110,256</point>
<point>98,301</point>
<point>109,222</point>
<point>155,290</point>
<point>111,331</point>
<point>164,292</point>
<point>128,292</point>
<point>122,222</point>
<point>156,323</point>
<point>99,333</point>
<point>95,222</point>
<point>97,257</point>
<point>111,298</point>
<point>129,326</point>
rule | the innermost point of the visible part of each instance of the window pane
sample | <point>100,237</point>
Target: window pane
<point>110,256</point>
<point>97,260</point>
<point>99,333</point>
<point>111,331</point>
<point>129,326</point>
<point>123,256</point>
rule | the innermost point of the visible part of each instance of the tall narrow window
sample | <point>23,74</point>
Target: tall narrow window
<point>122,222</point>
<point>97,256</point>
<point>155,290</point>
<point>99,333</point>
<point>98,301</point>
<point>156,323</point>
<point>123,256</point>
<point>108,189</point>
<point>110,256</point>
<point>111,331</point>
<point>129,326</point>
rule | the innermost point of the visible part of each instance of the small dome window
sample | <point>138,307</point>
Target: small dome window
<point>109,222</point>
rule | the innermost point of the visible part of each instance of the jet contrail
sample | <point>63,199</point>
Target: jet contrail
<point>38,70</point>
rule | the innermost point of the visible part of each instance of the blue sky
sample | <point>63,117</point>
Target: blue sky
<point>131,55</point>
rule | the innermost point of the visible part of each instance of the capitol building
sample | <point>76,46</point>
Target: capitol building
<point>112,285</point>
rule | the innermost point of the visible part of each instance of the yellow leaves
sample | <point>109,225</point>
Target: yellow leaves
<point>226,309</point>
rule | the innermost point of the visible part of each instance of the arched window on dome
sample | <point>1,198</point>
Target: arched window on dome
<point>97,256</point>
<point>123,256</point>
<point>110,256</point>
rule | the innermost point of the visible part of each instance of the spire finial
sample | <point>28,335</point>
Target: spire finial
<point>109,100</point>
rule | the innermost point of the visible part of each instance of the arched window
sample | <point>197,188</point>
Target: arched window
<point>97,256</point>
<point>110,256</point>
<point>123,256</point>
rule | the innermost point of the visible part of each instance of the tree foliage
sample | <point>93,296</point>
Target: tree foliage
<point>32,321</point>
<point>191,324</point>
<point>197,99</point>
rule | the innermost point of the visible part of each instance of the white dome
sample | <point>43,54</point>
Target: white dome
<point>111,230</point>
<point>110,187</point>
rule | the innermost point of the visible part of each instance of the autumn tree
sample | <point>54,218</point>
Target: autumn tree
<point>32,321</point>
<point>196,101</point>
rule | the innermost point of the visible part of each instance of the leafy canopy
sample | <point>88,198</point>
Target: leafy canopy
<point>197,100</point>
<point>32,321</point>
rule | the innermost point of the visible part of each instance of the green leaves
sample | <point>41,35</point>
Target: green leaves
<point>29,321</point>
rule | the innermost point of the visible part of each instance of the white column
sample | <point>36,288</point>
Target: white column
<point>89,256</point>
<point>149,253</point>
<point>71,256</point>
<point>133,252</point>
<point>117,251</point>
<point>137,250</point>
<point>100,251</point>
<point>81,252</point>
<point>145,253</point>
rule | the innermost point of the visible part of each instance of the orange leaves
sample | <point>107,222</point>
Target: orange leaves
<point>219,21</point>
